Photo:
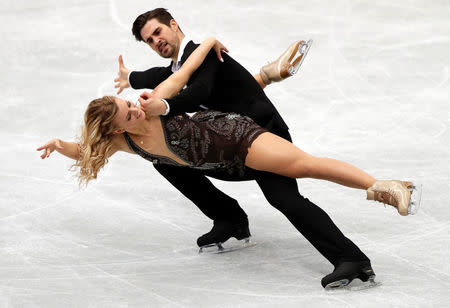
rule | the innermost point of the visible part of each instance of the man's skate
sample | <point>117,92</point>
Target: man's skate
<point>346,272</point>
<point>222,231</point>
<point>286,66</point>
<point>405,196</point>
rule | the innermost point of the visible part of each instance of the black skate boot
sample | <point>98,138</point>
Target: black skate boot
<point>345,272</point>
<point>221,232</point>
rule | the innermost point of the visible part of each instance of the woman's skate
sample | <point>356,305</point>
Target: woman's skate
<point>405,196</point>
<point>286,66</point>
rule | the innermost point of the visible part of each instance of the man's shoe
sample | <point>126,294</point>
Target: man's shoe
<point>287,64</point>
<point>345,272</point>
<point>222,231</point>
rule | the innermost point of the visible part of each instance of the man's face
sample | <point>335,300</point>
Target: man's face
<point>161,38</point>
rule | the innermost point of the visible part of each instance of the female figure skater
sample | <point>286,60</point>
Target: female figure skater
<point>208,140</point>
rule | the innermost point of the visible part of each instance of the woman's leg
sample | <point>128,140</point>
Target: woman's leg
<point>259,80</point>
<point>274,154</point>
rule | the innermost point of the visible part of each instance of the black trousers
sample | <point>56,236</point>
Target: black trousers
<point>282,193</point>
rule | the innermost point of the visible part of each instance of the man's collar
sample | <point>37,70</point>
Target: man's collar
<point>184,42</point>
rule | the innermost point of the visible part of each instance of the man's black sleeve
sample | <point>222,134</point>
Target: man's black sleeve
<point>150,78</point>
<point>199,88</point>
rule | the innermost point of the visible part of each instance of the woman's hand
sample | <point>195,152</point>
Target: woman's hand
<point>219,48</point>
<point>49,147</point>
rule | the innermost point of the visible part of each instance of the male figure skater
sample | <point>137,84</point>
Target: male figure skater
<point>230,87</point>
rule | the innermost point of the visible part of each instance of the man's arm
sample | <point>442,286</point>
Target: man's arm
<point>148,79</point>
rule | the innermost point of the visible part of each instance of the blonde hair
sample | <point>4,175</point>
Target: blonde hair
<point>96,138</point>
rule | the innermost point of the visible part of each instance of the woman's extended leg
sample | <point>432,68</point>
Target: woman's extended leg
<point>271,153</point>
<point>285,66</point>
<point>274,154</point>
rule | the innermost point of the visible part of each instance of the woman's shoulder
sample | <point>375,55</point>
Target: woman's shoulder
<point>119,143</point>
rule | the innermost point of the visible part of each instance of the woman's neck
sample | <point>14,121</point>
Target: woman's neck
<point>145,128</point>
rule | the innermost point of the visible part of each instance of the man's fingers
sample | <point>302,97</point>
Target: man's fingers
<point>117,85</point>
<point>120,90</point>
<point>145,93</point>
<point>143,102</point>
<point>121,61</point>
<point>117,79</point>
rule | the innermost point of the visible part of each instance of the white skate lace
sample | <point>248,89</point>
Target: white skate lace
<point>387,197</point>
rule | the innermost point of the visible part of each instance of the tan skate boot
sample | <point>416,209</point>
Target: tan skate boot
<point>285,66</point>
<point>395,193</point>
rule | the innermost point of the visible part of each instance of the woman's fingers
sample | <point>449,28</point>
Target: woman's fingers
<point>45,154</point>
<point>219,55</point>
<point>49,147</point>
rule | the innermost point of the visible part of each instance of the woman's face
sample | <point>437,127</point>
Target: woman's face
<point>129,115</point>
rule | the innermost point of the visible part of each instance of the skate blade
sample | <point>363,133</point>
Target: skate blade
<point>364,285</point>
<point>337,285</point>
<point>217,248</point>
<point>416,197</point>
<point>303,49</point>
<point>353,286</point>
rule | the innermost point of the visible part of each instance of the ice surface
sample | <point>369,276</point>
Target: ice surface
<point>373,91</point>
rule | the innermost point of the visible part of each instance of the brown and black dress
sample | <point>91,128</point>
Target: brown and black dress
<point>209,140</point>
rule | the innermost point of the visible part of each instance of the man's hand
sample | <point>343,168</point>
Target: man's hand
<point>151,105</point>
<point>122,80</point>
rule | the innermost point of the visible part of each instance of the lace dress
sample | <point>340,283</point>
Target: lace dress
<point>209,140</point>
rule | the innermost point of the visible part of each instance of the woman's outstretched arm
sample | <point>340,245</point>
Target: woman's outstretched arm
<point>69,149</point>
<point>172,85</point>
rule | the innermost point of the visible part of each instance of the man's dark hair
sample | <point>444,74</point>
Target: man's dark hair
<point>162,15</point>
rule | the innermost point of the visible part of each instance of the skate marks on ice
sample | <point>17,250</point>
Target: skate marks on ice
<point>231,245</point>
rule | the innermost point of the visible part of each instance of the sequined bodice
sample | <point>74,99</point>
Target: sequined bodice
<point>208,140</point>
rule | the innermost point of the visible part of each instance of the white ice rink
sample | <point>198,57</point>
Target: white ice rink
<point>374,91</point>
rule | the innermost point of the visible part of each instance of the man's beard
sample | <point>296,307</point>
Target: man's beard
<point>170,53</point>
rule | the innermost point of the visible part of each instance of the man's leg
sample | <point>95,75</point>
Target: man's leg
<point>315,225</point>
<point>229,218</point>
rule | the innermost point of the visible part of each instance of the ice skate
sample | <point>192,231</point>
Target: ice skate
<point>346,272</point>
<point>286,66</point>
<point>231,245</point>
<point>221,232</point>
<point>405,196</point>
